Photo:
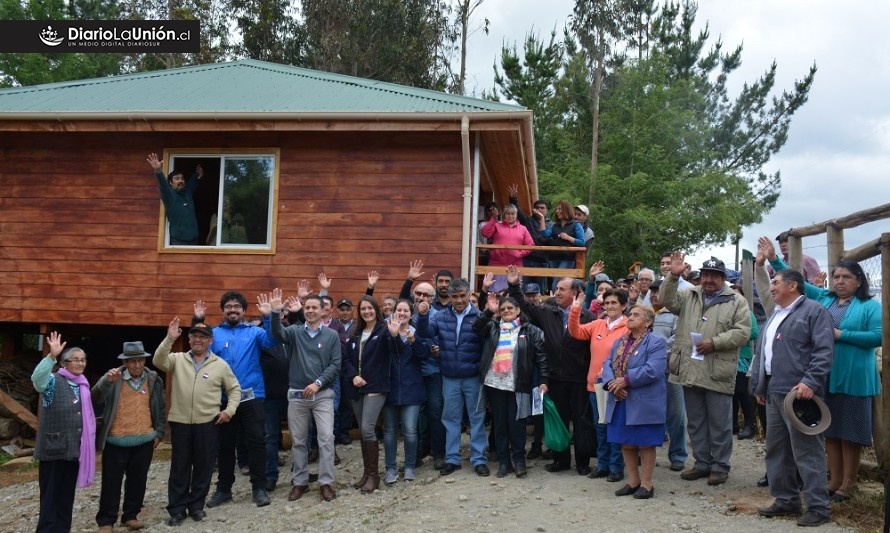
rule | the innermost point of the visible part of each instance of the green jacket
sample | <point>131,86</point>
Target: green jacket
<point>727,322</point>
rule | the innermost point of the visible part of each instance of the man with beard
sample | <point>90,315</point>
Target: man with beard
<point>240,344</point>
<point>179,202</point>
<point>568,358</point>
<point>443,296</point>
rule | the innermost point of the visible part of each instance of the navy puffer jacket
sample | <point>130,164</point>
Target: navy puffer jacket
<point>459,356</point>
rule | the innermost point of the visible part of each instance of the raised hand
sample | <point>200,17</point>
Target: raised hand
<point>578,301</point>
<point>513,190</point>
<point>275,301</point>
<point>678,264</point>
<point>760,256</point>
<point>596,268</point>
<point>293,304</point>
<point>373,278</point>
<point>154,161</point>
<point>394,326</point>
<point>513,274</point>
<point>200,310</point>
<point>633,291</point>
<point>112,375</point>
<point>199,171</point>
<point>768,249</point>
<point>819,281</point>
<point>173,330</point>
<point>263,305</point>
<point>303,288</point>
<point>487,281</point>
<point>423,308</point>
<point>55,344</point>
<point>415,269</point>
<point>324,281</point>
<point>491,303</point>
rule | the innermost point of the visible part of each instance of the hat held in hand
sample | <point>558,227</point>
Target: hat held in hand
<point>810,417</point>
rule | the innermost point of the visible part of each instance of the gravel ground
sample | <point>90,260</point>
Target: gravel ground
<point>464,502</point>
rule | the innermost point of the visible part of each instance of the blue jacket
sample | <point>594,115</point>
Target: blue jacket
<point>854,370</point>
<point>240,347</point>
<point>374,367</point>
<point>646,370</point>
<point>405,379</point>
<point>459,357</point>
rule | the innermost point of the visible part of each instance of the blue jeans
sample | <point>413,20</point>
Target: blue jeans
<point>459,393</point>
<point>406,415</point>
<point>568,262</point>
<point>434,436</point>
<point>275,408</point>
<point>676,423</point>
<point>608,455</point>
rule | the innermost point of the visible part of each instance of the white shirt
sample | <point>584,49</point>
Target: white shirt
<point>779,315</point>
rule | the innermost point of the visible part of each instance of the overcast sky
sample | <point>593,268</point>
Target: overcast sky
<point>837,158</point>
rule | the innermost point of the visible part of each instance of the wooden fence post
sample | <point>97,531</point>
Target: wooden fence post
<point>835,237</point>
<point>881,431</point>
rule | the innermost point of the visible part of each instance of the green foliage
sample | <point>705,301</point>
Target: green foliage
<point>679,161</point>
<point>30,69</point>
<point>269,31</point>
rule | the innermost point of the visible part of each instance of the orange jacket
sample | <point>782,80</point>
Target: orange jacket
<point>601,341</point>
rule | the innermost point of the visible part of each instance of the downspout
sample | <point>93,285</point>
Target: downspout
<point>468,235</point>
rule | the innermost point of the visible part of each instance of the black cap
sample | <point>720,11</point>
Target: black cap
<point>714,265</point>
<point>345,301</point>
<point>201,327</point>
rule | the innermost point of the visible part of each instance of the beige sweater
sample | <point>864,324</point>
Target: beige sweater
<point>196,396</point>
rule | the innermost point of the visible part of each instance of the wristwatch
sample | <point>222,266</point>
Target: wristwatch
<point>318,382</point>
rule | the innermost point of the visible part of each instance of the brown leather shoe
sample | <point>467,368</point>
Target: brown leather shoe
<point>327,493</point>
<point>134,524</point>
<point>297,492</point>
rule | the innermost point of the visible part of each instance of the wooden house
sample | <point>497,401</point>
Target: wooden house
<point>328,173</point>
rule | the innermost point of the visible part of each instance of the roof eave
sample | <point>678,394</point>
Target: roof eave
<point>376,116</point>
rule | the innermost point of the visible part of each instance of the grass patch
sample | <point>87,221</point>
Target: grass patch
<point>864,511</point>
<point>4,458</point>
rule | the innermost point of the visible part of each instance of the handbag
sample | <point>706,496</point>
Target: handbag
<point>556,435</point>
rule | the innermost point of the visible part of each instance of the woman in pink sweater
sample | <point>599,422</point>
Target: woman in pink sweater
<point>507,231</point>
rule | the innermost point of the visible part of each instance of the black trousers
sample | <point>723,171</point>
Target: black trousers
<point>742,398</point>
<point>194,449</point>
<point>117,461</point>
<point>250,421</point>
<point>509,433</point>
<point>58,479</point>
<point>571,401</point>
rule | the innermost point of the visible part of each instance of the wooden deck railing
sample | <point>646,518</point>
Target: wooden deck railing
<point>578,272</point>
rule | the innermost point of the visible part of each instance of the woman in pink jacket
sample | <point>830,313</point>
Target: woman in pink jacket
<point>507,231</point>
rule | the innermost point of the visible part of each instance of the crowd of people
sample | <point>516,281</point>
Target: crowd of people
<point>629,365</point>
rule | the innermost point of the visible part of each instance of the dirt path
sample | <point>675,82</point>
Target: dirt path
<point>462,502</point>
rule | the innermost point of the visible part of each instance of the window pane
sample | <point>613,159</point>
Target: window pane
<point>246,191</point>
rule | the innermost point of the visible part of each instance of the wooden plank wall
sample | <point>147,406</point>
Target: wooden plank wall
<point>79,220</point>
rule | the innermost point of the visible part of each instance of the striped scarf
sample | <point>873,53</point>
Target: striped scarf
<point>503,353</point>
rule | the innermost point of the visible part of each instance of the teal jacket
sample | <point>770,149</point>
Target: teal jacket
<point>745,352</point>
<point>855,370</point>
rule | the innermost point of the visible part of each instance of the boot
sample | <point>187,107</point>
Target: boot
<point>358,484</point>
<point>373,480</point>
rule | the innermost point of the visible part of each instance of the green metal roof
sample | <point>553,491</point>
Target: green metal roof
<point>245,86</point>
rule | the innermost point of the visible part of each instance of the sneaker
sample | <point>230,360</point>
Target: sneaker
<point>409,474</point>
<point>811,519</point>
<point>260,498</point>
<point>392,475</point>
<point>219,497</point>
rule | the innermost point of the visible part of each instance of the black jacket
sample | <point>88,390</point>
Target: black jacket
<point>529,352</point>
<point>568,358</point>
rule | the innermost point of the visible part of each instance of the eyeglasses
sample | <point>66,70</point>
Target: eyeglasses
<point>232,307</point>
<point>420,294</point>
<point>77,361</point>
<point>646,280</point>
